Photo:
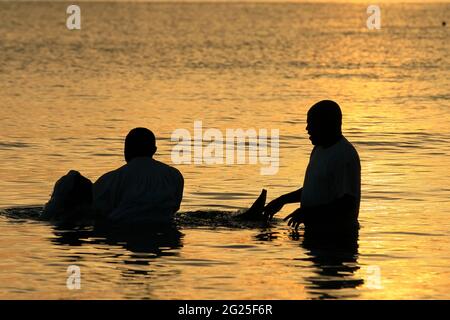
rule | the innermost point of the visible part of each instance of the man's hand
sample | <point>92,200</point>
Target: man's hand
<point>296,218</point>
<point>276,205</point>
<point>272,208</point>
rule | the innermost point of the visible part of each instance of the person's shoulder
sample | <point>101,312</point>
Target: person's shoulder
<point>348,145</point>
<point>168,169</point>
<point>349,150</point>
<point>109,175</point>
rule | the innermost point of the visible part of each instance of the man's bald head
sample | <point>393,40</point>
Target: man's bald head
<point>140,142</point>
<point>324,122</point>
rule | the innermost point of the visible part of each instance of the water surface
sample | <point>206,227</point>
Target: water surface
<point>68,98</point>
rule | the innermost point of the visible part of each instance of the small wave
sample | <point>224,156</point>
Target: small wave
<point>215,219</point>
<point>413,233</point>
<point>104,154</point>
<point>31,212</point>
<point>345,75</point>
<point>13,145</point>
<point>210,219</point>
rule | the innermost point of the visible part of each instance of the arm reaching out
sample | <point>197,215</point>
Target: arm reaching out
<point>277,204</point>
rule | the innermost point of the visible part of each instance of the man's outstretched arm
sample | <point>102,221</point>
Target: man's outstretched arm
<point>277,204</point>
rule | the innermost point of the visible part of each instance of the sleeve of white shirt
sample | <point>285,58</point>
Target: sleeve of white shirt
<point>347,179</point>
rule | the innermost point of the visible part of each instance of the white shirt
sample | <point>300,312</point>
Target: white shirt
<point>332,173</point>
<point>143,190</point>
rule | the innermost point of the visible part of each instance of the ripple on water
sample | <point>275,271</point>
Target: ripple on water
<point>14,145</point>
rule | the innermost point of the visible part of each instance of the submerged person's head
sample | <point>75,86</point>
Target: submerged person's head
<point>71,199</point>
<point>140,142</point>
<point>324,122</point>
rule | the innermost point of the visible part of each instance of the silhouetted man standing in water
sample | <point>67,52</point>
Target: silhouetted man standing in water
<point>144,189</point>
<point>331,191</point>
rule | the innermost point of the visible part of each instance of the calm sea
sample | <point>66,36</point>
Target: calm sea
<point>68,98</point>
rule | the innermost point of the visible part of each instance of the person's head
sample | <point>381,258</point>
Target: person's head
<point>324,122</point>
<point>71,199</point>
<point>140,142</point>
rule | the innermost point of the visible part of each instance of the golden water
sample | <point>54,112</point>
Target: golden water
<point>68,98</point>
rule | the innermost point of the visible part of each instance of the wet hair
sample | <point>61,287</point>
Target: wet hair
<point>71,199</point>
<point>328,113</point>
<point>140,142</point>
<point>81,192</point>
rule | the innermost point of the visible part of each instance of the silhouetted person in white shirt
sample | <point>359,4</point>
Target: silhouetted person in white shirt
<point>331,191</point>
<point>143,190</point>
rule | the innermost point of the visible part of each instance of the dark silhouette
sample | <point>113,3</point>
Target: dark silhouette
<point>71,201</point>
<point>255,211</point>
<point>144,190</point>
<point>139,142</point>
<point>331,192</point>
